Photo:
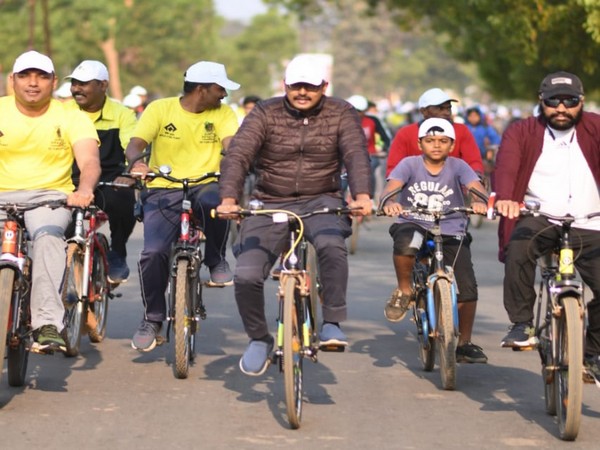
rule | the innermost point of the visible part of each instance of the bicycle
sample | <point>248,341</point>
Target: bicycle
<point>559,327</point>
<point>298,300</point>
<point>435,308</point>
<point>87,290</point>
<point>184,289</point>
<point>15,290</point>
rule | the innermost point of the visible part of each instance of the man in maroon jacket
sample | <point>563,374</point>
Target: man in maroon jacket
<point>297,144</point>
<point>554,159</point>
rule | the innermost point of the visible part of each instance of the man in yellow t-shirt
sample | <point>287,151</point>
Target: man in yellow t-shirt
<point>39,140</point>
<point>189,134</point>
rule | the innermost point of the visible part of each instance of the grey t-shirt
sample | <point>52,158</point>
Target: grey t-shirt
<point>440,191</point>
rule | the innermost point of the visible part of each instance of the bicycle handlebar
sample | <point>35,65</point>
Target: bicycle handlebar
<point>291,215</point>
<point>530,209</point>
<point>13,207</point>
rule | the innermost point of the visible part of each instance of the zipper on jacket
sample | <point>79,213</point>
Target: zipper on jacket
<point>303,135</point>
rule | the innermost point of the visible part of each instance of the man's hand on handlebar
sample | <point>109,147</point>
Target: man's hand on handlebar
<point>228,209</point>
<point>362,201</point>
<point>80,199</point>
<point>140,170</point>
<point>508,208</point>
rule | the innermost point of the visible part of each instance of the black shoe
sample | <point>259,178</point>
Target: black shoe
<point>521,334</point>
<point>470,353</point>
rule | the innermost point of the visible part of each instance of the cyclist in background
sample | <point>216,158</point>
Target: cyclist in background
<point>297,143</point>
<point>553,158</point>
<point>434,103</point>
<point>114,124</point>
<point>435,180</point>
<point>40,140</point>
<point>189,134</point>
<point>485,135</point>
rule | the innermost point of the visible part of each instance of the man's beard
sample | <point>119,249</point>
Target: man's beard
<point>562,126</point>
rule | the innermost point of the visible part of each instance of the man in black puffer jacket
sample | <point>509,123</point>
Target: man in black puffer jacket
<point>298,144</point>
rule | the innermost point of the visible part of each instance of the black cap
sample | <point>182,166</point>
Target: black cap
<point>561,83</point>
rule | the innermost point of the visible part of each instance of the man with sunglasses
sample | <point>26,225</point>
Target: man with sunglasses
<point>553,158</point>
<point>297,143</point>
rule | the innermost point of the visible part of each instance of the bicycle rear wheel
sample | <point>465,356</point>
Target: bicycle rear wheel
<point>353,240</point>
<point>7,279</point>
<point>71,297</point>
<point>569,373</point>
<point>17,352</point>
<point>548,364</point>
<point>445,333</point>
<point>97,315</point>
<point>425,340</point>
<point>314,287</point>
<point>292,357</point>
<point>183,320</point>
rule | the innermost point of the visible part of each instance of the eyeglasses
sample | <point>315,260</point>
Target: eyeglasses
<point>570,102</point>
<point>306,86</point>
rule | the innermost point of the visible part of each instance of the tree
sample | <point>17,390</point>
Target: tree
<point>514,43</point>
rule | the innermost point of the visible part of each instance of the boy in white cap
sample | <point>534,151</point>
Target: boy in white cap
<point>297,144</point>
<point>40,140</point>
<point>190,134</point>
<point>115,124</point>
<point>435,180</point>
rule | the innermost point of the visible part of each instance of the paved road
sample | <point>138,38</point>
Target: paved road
<point>373,396</point>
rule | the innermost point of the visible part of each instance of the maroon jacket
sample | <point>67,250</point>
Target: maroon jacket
<point>519,151</point>
<point>297,154</point>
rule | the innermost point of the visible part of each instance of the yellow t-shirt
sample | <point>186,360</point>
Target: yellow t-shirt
<point>37,152</point>
<point>188,142</point>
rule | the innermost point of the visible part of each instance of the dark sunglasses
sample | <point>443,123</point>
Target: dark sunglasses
<point>307,87</point>
<point>570,102</point>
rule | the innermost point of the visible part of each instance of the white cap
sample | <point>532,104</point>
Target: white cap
<point>89,70</point>
<point>305,69</point>
<point>210,72</point>
<point>33,60</point>
<point>434,97</point>
<point>359,102</point>
<point>138,90</point>
<point>132,101</point>
<point>436,127</point>
<point>64,91</point>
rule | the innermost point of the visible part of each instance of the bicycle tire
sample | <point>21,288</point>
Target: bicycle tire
<point>183,312</point>
<point>97,314</point>
<point>426,343</point>
<point>569,374</point>
<point>17,353</point>
<point>292,357</point>
<point>72,301</point>
<point>7,280</point>
<point>445,333</point>
<point>312,269</point>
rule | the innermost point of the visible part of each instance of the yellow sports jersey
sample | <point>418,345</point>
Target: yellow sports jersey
<point>190,143</point>
<point>37,152</point>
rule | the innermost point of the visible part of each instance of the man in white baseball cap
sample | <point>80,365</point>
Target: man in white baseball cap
<point>115,124</point>
<point>41,139</point>
<point>189,133</point>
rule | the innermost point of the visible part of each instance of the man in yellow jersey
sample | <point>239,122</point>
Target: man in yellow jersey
<point>39,141</point>
<point>115,124</point>
<point>189,134</point>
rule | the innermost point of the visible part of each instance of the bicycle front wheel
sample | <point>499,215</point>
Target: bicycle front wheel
<point>7,279</point>
<point>292,357</point>
<point>183,320</point>
<point>97,314</point>
<point>71,297</point>
<point>445,333</point>
<point>569,373</point>
<point>17,353</point>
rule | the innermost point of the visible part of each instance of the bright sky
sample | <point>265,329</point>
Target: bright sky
<point>239,9</point>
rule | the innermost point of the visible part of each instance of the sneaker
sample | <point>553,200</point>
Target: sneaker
<point>470,353</point>
<point>255,360</point>
<point>331,335</point>
<point>521,334</point>
<point>47,338</point>
<point>397,306</point>
<point>220,274</point>
<point>118,271</point>
<point>145,338</point>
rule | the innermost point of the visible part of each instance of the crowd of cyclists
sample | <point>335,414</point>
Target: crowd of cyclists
<point>297,146</point>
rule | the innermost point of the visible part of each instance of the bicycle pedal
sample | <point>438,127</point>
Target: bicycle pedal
<point>160,340</point>
<point>588,378</point>
<point>212,284</point>
<point>524,349</point>
<point>337,348</point>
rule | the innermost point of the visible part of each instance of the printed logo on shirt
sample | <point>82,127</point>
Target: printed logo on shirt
<point>169,131</point>
<point>429,194</point>
<point>209,136</point>
<point>57,143</point>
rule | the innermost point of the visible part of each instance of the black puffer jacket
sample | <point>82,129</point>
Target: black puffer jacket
<point>297,154</point>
